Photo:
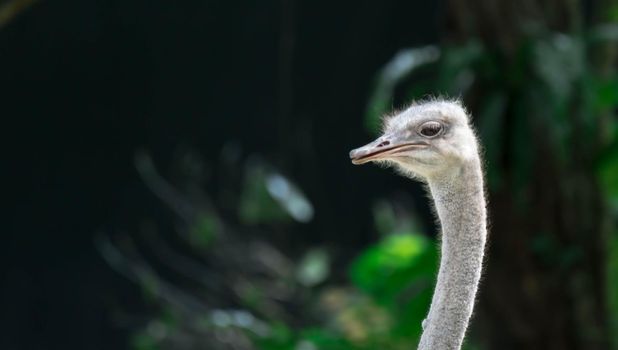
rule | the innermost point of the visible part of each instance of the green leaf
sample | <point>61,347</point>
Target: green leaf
<point>269,197</point>
<point>321,339</point>
<point>143,341</point>
<point>289,197</point>
<point>384,217</point>
<point>388,268</point>
<point>399,67</point>
<point>314,268</point>
<point>456,67</point>
<point>281,337</point>
<point>256,204</point>
<point>387,220</point>
<point>607,93</point>
<point>204,230</point>
<point>559,62</point>
<point>604,32</point>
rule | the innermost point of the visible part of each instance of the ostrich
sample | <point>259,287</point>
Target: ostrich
<point>434,143</point>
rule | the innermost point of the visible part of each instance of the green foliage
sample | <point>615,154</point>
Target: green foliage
<point>545,102</point>
<point>284,338</point>
<point>394,279</point>
<point>398,273</point>
<point>150,338</point>
<point>204,229</point>
<point>457,68</point>
<point>269,197</point>
<point>388,268</point>
<point>549,74</point>
<point>606,93</point>
<point>404,63</point>
<point>318,338</point>
<point>280,338</point>
<point>142,341</point>
<point>391,282</point>
<point>257,205</point>
<point>314,268</point>
<point>150,287</point>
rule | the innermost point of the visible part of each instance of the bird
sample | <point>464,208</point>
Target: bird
<point>434,142</point>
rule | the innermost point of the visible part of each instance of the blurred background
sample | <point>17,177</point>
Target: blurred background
<point>178,172</point>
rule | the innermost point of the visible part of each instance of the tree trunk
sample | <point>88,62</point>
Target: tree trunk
<point>544,285</point>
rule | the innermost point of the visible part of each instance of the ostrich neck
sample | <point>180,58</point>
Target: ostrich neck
<point>460,204</point>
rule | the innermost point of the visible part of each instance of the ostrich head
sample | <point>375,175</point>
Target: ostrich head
<point>426,140</point>
<point>434,141</point>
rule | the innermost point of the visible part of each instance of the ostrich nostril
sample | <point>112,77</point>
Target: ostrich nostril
<point>384,143</point>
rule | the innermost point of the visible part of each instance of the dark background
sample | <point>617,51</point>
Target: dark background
<point>87,83</point>
<point>216,91</point>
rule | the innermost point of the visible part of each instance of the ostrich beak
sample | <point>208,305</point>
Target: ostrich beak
<point>384,147</point>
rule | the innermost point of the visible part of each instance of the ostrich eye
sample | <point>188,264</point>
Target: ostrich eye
<point>430,129</point>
